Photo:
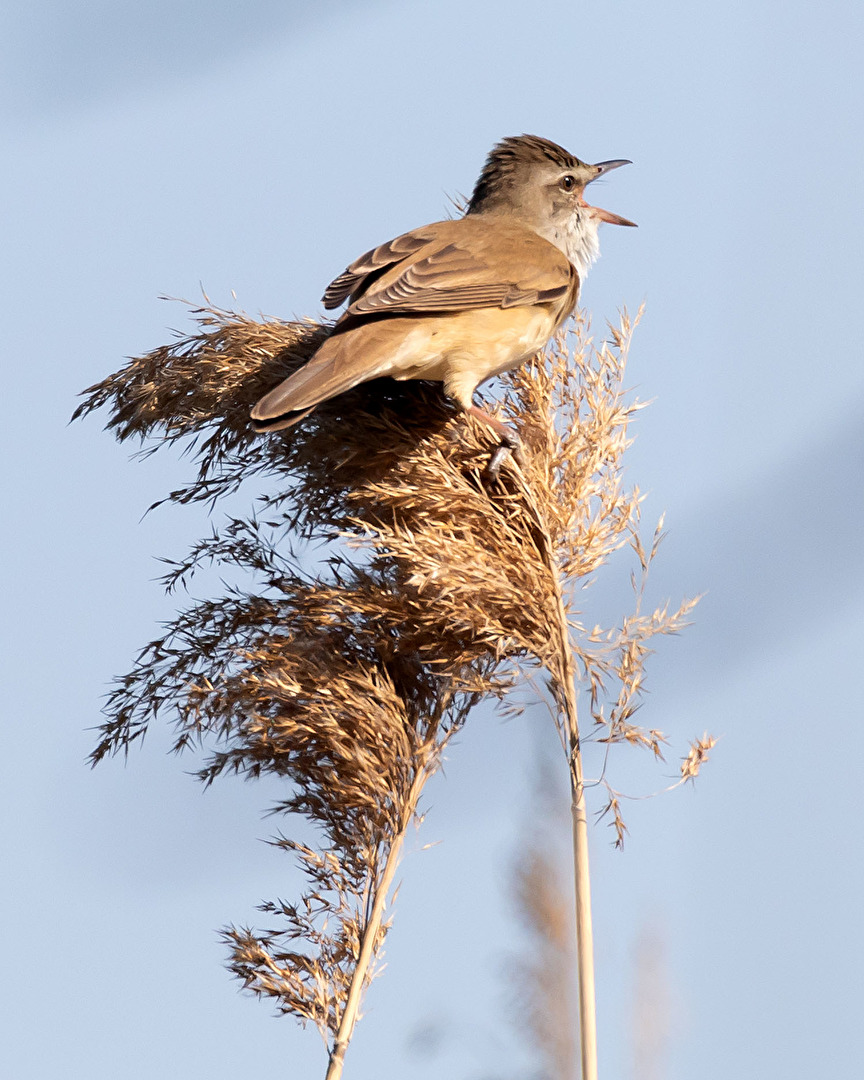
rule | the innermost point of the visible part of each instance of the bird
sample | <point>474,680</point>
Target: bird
<point>462,300</point>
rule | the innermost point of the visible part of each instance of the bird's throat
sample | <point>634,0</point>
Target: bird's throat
<point>578,237</point>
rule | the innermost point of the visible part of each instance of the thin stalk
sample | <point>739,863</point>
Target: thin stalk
<point>582,879</point>
<point>584,929</point>
<point>565,677</point>
<point>370,934</point>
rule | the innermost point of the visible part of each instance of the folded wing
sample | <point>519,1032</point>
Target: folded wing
<point>472,262</point>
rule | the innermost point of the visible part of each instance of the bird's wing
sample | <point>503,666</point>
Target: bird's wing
<point>354,278</point>
<point>452,266</point>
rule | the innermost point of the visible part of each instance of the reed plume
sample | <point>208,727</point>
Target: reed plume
<point>440,588</point>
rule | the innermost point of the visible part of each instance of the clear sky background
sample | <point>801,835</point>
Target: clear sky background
<point>160,147</point>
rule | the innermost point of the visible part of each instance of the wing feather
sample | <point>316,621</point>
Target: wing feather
<point>454,265</point>
<point>379,258</point>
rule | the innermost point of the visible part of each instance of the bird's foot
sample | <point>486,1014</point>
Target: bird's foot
<point>510,443</point>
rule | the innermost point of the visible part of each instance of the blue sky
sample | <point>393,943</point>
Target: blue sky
<point>161,148</point>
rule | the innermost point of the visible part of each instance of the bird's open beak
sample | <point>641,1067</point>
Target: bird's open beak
<point>608,166</point>
<point>603,167</point>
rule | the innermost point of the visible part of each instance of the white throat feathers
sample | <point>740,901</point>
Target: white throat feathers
<point>578,238</point>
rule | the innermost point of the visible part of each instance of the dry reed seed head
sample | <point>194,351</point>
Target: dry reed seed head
<point>612,810</point>
<point>350,684</point>
<point>202,386</point>
<point>698,754</point>
<point>464,597</point>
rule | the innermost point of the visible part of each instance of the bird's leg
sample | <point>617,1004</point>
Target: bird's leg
<point>510,441</point>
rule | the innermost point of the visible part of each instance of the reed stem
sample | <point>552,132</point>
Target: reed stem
<point>564,674</point>
<point>370,933</point>
<point>582,879</point>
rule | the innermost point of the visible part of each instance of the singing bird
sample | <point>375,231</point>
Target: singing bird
<point>461,301</point>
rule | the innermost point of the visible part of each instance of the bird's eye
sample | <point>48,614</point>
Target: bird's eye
<point>567,183</point>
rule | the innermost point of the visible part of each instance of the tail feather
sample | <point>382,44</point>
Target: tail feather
<point>280,422</point>
<point>338,365</point>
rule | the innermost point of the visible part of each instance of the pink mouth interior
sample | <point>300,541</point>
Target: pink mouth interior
<point>606,215</point>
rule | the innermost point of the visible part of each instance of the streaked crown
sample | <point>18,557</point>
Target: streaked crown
<point>513,162</point>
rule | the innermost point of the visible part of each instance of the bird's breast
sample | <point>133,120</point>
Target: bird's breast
<point>461,349</point>
<point>482,343</point>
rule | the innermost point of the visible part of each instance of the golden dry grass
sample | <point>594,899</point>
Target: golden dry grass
<point>444,589</point>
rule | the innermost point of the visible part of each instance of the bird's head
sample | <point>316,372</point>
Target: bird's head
<point>541,184</point>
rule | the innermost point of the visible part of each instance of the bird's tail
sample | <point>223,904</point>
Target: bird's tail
<point>337,366</point>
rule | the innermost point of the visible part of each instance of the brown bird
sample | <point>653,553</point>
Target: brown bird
<point>460,301</point>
